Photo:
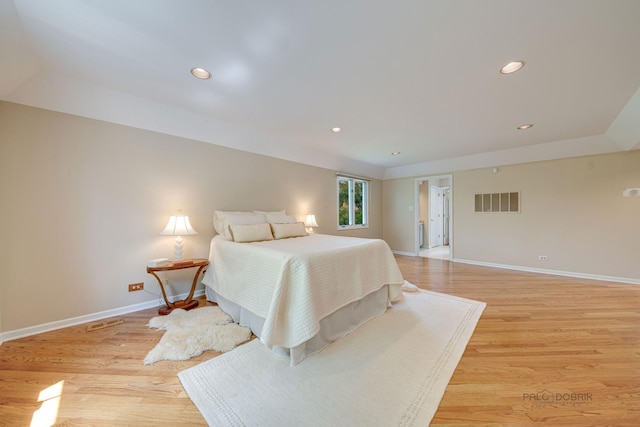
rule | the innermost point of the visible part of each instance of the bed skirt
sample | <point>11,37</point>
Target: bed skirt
<point>332,327</point>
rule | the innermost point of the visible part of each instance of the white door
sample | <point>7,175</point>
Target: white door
<point>435,216</point>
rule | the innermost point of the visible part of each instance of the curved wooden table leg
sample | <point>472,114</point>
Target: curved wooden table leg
<point>164,295</point>
<point>187,303</point>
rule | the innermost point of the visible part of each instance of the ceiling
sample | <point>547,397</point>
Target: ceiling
<point>416,76</point>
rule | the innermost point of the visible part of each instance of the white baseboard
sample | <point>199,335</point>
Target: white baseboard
<point>552,272</point>
<point>404,253</point>
<point>87,318</point>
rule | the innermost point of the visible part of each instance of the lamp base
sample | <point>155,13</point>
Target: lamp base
<point>185,305</point>
<point>177,249</point>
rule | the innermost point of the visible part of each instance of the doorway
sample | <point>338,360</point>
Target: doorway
<point>434,225</point>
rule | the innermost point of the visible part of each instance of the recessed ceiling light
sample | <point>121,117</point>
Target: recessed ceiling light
<point>395,153</point>
<point>200,73</point>
<point>523,127</point>
<point>512,67</point>
<point>336,129</point>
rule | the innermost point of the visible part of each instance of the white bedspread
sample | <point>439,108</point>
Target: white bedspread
<point>294,283</point>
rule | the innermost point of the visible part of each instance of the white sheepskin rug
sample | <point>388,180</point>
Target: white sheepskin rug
<point>190,333</point>
<point>409,287</point>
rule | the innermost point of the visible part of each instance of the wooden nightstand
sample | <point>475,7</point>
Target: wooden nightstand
<point>189,302</point>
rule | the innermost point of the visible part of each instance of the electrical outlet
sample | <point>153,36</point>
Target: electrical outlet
<point>543,258</point>
<point>136,286</point>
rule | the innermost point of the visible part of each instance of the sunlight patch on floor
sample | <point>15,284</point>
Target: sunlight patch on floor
<point>47,414</point>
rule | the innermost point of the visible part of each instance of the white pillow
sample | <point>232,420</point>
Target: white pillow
<point>279,217</point>
<point>219,217</point>
<point>282,212</point>
<point>250,232</point>
<point>283,231</point>
<point>241,220</point>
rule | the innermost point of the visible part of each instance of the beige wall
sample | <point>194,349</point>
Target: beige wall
<point>572,211</point>
<point>84,201</point>
<point>398,216</point>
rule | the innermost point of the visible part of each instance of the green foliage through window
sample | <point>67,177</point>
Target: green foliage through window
<point>352,202</point>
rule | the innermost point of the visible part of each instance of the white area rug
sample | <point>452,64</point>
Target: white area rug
<point>392,371</point>
<point>189,333</point>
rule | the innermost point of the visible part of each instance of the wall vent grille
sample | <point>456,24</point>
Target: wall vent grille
<point>497,202</point>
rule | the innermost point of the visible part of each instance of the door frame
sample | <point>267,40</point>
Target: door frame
<point>435,179</point>
<point>439,192</point>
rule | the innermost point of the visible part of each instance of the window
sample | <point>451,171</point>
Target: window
<point>353,200</point>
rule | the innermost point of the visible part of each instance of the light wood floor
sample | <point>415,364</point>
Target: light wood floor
<point>576,341</point>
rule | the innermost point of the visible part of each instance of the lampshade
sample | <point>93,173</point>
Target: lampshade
<point>310,222</point>
<point>179,226</point>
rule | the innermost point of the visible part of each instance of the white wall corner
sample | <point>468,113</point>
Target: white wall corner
<point>625,129</point>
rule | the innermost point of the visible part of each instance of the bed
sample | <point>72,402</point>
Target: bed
<point>297,292</point>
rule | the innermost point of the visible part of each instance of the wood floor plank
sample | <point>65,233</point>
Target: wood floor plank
<point>547,349</point>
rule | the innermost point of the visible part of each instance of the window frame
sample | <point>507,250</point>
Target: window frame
<point>352,181</point>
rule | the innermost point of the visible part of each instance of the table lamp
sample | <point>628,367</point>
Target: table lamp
<point>310,222</point>
<point>178,226</point>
